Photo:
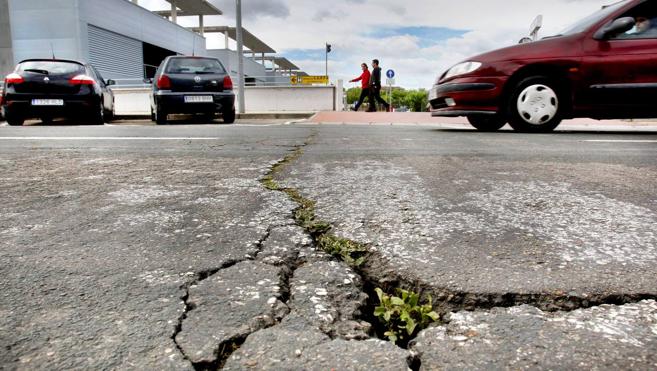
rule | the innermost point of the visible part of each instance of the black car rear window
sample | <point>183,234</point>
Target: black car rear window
<point>195,66</point>
<point>56,68</point>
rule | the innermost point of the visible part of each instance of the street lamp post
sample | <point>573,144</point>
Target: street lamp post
<point>240,56</point>
<point>328,50</point>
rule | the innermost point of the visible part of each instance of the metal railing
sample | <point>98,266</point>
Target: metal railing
<point>131,84</point>
<point>272,81</point>
<point>251,81</point>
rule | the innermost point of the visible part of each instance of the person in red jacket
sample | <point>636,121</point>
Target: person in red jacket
<point>365,85</point>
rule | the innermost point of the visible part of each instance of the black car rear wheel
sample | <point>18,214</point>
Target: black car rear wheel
<point>160,116</point>
<point>14,120</point>
<point>98,115</point>
<point>229,116</point>
<point>209,117</point>
<point>109,116</point>
<point>487,123</point>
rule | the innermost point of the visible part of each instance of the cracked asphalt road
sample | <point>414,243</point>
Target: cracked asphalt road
<point>158,248</point>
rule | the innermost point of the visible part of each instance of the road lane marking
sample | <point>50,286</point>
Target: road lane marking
<point>619,141</point>
<point>108,138</point>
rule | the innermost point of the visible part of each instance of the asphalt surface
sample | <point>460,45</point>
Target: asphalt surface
<point>143,247</point>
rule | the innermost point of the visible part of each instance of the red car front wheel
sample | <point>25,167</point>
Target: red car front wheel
<point>536,105</point>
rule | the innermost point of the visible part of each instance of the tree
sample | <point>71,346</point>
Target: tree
<point>414,100</point>
<point>417,100</point>
<point>352,95</point>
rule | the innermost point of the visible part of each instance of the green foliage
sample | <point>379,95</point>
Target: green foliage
<point>403,315</point>
<point>415,100</point>
<point>352,95</point>
<point>351,252</point>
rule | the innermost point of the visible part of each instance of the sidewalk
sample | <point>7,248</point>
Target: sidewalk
<point>423,118</point>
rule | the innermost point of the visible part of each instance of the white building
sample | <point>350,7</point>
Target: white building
<point>124,41</point>
<point>121,39</point>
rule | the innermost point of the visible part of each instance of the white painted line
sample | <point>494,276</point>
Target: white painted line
<point>619,141</point>
<point>260,125</point>
<point>107,138</point>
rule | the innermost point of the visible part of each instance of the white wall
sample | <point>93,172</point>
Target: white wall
<point>132,102</point>
<point>131,20</point>
<point>6,51</point>
<point>290,99</point>
<point>136,102</point>
<point>38,24</point>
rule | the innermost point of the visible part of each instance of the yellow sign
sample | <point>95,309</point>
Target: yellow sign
<point>309,80</point>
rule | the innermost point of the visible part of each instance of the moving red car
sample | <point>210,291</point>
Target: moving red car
<point>603,67</point>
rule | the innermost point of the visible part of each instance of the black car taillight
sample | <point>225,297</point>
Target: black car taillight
<point>164,82</point>
<point>14,79</point>
<point>81,80</point>
<point>228,83</point>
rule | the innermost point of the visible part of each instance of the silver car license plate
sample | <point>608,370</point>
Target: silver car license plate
<point>198,99</point>
<point>47,102</point>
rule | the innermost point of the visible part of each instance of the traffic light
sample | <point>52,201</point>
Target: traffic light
<point>328,48</point>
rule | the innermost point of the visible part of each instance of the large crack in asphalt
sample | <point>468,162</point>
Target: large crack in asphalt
<point>347,251</point>
<point>377,272</point>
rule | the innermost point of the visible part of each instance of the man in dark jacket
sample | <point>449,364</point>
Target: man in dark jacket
<point>375,86</point>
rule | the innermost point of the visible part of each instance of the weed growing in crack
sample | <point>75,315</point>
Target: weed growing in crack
<point>349,251</point>
<point>404,316</point>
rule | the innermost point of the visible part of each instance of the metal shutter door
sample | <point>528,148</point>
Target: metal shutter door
<point>115,56</point>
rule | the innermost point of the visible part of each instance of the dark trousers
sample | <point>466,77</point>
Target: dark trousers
<point>364,94</point>
<point>376,96</point>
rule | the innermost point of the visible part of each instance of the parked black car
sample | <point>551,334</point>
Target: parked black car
<point>192,85</point>
<point>50,88</point>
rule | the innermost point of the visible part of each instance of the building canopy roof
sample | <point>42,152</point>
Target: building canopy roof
<point>193,7</point>
<point>250,41</point>
<point>285,64</point>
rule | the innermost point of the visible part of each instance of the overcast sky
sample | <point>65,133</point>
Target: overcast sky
<point>419,39</point>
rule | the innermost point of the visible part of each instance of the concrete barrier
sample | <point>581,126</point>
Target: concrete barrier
<point>132,102</point>
<point>290,98</point>
<point>259,99</point>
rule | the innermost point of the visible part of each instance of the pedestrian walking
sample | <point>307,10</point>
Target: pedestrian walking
<point>365,86</point>
<point>375,86</point>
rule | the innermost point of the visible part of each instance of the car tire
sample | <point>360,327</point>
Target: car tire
<point>109,116</point>
<point>14,120</point>
<point>229,117</point>
<point>160,116</point>
<point>536,105</point>
<point>209,117</point>
<point>98,116</point>
<point>487,123</point>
